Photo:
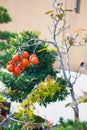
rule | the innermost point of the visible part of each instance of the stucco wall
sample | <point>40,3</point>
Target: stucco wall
<point>29,15</point>
<point>76,20</point>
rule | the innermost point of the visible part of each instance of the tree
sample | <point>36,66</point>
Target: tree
<point>4,35</point>
<point>4,16</point>
<point>20,87</point>
<point>58,17</point>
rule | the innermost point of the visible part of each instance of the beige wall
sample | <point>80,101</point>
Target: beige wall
<point>29,15</point>
<point>76,20</point>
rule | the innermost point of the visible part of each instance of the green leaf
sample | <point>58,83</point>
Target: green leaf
<point>49,12</point>
<point>43,49</point>
<point>85,67</point>
<point>4,16</point>
<point>68,10</point>
<point>68,104</point>
<point>6,108</point>
<point>60,16</point>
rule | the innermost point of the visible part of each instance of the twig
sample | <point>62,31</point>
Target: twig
<point>67,60</point>
<point>16,120</point>
<point>77,76</point>
<point>6,119</point>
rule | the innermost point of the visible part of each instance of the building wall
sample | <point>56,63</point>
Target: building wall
<point>77,20</point>
<point>30,15</point>
<point>27,15</point>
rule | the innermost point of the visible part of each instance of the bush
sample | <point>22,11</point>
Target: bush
<point>21,86</point>
<point>4,16</point>
<point>13,126</point>
<point>72,125</point>
<point>5,35</point>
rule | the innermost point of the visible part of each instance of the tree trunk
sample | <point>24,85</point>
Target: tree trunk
<point>75,105</point>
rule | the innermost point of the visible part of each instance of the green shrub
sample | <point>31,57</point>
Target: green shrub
<point>5,35</point>
<point>21,86</point>
<point>72,125</point>
<point>4,16</point>
<point>2,45</point>
<point>13,126</point>
<point>4,38</point>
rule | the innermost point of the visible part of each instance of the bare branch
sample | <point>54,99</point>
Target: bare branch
<point>49,29</point>
<point>35,40</point>
<point>67,59</point>
<point>6,119</point>
<point>69,48</point>
<point>16,120</point>
<point>77,76</point>
<point>79,44</point>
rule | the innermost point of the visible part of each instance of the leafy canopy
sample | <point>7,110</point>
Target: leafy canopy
<point>20,87</point>
<point>4,16</point>
<point>47,91</point>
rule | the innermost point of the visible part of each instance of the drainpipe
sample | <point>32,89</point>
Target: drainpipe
<point>76,5</point>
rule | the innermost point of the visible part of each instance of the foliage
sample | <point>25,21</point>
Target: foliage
<point>4,105</point>
<point>2,46</point>
<point>59,26</point>
<point>72,125</point>
<point>54,128</point>
<point>47,91</point>
<point>20,87</point>
<point>4,16</point>
<point>34,118</point>
<point>85,38</point>
<point>83,98</point>
<point>38,119</point>
<point>24,114</point>
<point>2,99</point>
<point>13,126</point>
<point>5,35</point>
